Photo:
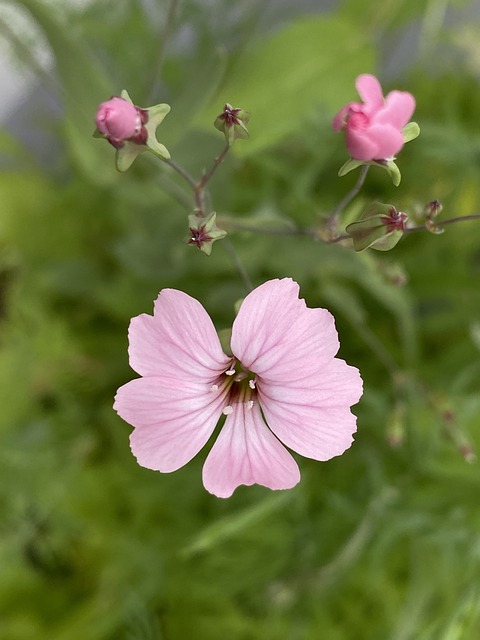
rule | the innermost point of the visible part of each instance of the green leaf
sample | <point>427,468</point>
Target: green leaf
<point>312,62</point>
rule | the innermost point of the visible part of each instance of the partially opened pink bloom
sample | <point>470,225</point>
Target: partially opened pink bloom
<point>373,128</point>
<point>282,384</point>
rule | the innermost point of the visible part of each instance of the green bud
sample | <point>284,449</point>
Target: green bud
<point>380,227</point>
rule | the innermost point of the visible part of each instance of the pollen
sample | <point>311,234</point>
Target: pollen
<point>227,410</point>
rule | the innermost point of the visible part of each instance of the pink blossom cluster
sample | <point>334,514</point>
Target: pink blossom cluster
<point>281,383</point>
<point>373,128</point>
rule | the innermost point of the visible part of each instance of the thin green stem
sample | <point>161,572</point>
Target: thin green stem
<point>444,223</point>
<point>181,171</point>
<point>191,183</point>
<point>199,189</point>
<point>229,223</point>
<point>229,248</point>
<point>333,218</point>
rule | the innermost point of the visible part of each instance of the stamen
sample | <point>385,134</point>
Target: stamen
<point>214,387</point>
<point>230,372</point>
<point>250,404</point>
<point>228,410</point>
<point>251,384</point>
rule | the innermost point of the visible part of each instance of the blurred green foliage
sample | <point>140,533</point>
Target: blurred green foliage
<point>383,542</point>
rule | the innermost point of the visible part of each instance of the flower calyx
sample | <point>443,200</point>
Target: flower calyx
<point>380,227</point>
<point>232,123</point>
<point>130,129</point>
<point>203,232</point>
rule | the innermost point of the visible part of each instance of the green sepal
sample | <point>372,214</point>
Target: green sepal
<point>389,165</point>
<point>156,115</point>
<point>377,228</point>
<point>393,171</point>
<point>410,131</point>
<point>125,156</point>
<point>350,165</point>
<point>204,232</point>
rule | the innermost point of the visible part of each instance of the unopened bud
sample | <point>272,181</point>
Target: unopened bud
<point>130,129</point>
<point>119,120</point>
<point>433,208</point>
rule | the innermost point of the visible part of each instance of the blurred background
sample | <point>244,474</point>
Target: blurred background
<point>381,543</point>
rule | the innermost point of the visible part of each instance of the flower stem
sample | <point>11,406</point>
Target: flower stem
<point>443,223</point>
<point>332,221</point>
<point>199,188</point>
<point>181,171</point>
<point>164,38</point>
<point>229,248</point>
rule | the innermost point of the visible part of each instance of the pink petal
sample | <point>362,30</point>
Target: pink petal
<point>247,452</point>
<point>179,340</point>
<point>277,337</point>
<point>173,419</point>
<point>117,118</point>
<point>387,140</point>
<point>314,420</point>
<point>360,145</point>
<point>339,120</point>
<point>398,109</point>
<point>370,91</point>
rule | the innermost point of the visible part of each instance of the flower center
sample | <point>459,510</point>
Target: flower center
<point>239,384</point>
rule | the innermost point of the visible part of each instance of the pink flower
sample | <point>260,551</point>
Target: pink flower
<point>373,128</point>
<point>119,120</point>
<point>282,384</point>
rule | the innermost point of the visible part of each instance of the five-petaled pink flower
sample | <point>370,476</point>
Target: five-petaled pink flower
<point>282,383</point>
<point>373,128</point>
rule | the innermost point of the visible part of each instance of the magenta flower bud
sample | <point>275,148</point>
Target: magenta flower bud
<point>119,120</point>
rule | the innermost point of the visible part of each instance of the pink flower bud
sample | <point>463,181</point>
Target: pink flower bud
<point>373,128</point>
<point>119,120</point>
